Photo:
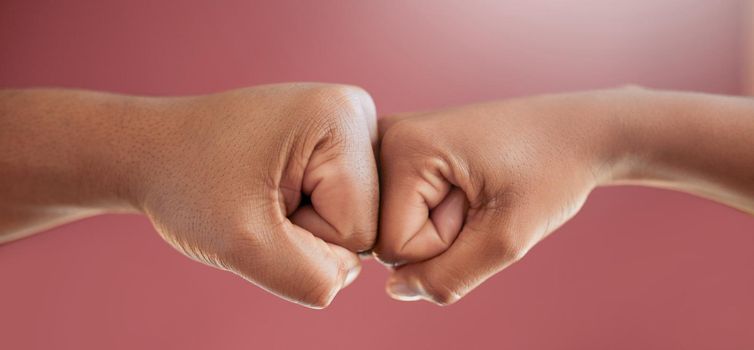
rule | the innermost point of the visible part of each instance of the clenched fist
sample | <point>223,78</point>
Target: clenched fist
<point>277,184</point>
<point>468,191</point>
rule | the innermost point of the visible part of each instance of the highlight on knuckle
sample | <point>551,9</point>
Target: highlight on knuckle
<point>442,293</point>
<point>324,287</point>
<point>410,137</point>
<point>361,240</point>
<point>338,102</point>
<point>334,114</point>
<point>319,296</point>
<point>509,247</point>
<point>237,254</point>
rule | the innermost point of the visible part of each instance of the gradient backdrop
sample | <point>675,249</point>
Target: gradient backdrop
<point>638,268</point>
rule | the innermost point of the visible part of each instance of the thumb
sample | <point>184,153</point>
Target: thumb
<point>290,262</point>
<point>486,245</point>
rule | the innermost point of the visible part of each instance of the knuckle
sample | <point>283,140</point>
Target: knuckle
<point>360,234</point>
<point>361,240</point>
<point>515,254</point>
<point>411,139</point>
<point>509,247</point>
<point>442,293</point>
<point>319,296</point>
<point>238,254</point>
<point>339,102</point>
<point>324,287</point>
<point>403,132</point>
<point>337,115</point>
<point>501,236</point>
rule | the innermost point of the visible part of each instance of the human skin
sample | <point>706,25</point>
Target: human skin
<point>468,191</point>
<point>277,183</point>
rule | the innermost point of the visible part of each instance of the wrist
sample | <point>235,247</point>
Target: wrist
<point>623,133</point>
<point>121,150</point>
<point>625,158</point>
<point>603,131</point>
<point>69,152</point>
<point>693,142</point>
<point>662,138</point>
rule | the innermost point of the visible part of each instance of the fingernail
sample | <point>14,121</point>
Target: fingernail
<point>402,291</point>
<point>351,276</point>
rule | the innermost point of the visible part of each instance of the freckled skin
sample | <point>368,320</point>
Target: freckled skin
<point>221,176</point>
<point>468,191</point>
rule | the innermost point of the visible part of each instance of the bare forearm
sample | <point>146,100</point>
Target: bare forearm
<point>698,143</point>
<point>525,166</point>
<point>220,176</point>
<point>62,156</point>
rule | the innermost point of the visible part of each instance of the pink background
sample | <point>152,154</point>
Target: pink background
<point>638,268</point>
